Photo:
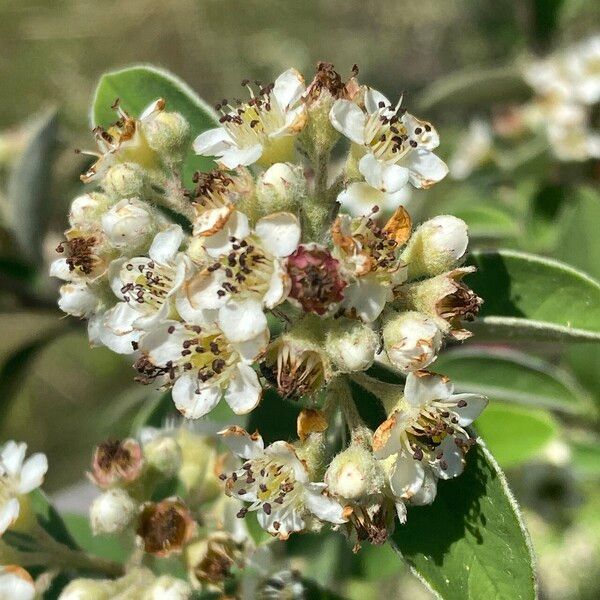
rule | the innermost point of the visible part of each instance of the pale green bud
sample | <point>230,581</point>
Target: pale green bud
<point>354,473</point>
<point>436,246</point>
<point>411,340</point>
<point>167,133</point>
<point>351,345</point>
<point>163,454</point>
<point>281,188</point>
<point>129,224</point>
<point>112,511</point>
<point>125,180</point>
<point>87,209</point>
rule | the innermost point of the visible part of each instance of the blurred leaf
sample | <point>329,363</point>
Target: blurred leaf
<point>137,87</point>
<point>511,376</point>
<point>274,417</point>
<point>468,89</point>
<point>153,413</point>
<point>585,455</point>
<point>487,221</point>
<point>50,520</point>
<point>378,562</point>
<point>471,543</point>
<point>104,546</point>
<point>527,295</point>
<point>16,269</point>
<point>515,434</point>
<point>313,591</point>
<point>28,188</point>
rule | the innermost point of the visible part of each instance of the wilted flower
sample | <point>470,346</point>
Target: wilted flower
<point>261,129</point>
<point>17,478</point>
<point>277,485</point>
<point>116,462</point>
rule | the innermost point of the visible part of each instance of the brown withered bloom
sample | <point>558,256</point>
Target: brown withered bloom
<point>165,527</point>
<point>116,462</point>
<point>329,80</point>
<point>212,559</point>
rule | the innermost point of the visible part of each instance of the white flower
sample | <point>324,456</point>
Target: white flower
<point>472,150</point>
<point>248,274</point>
<point>202,365</point>
<point>261,129</point>
<point>17,478</point>
<point>169,588</point>
<point>398,146</point>
<point>360,199</point>
<point>427,435</point>
<point>370,257</point>
<point>147,287</point>
<point>411,341</point>
<point>129,224</point>
<point>16,583</point>
<point>276,484</point>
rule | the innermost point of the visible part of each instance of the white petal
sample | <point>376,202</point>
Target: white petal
<point>322,506</point>
<point>194,315</point>
<point>289,521</point>
<point>121,317</point>
<point>244,391</point>
<point>212,142</point>
<point>349,120</point>
<point>425,168</point>
<point>9,512</point>
<point>153,107</point>
<point>475,405</point>
<point>162,346</point>
<point>406,477</point>
<point>243,444</point>
<point>373,99</point>
<point>212,220</point>
<point>428,491</point>
<point>77,299</point>
<point>400,511</point>
<point>420,390</point>
<point>202,289</point>
<point>279,285</point>
<point>13,455</point>
<point>250,349</point>
<point>387,178</point>
<point>284,453</point>
<point>452,455</point>
<point>242,319</point>
<point>191,402</point>
<point>241,157</point>
<point>279,233</point>
<point>359,199</point>
<point>288,88</point>
<point>166,244</point>
<point>59,268</point>
<point>32,473</point>
<point>367,297</point>
<point>219,244</point>
<point>16,584</point>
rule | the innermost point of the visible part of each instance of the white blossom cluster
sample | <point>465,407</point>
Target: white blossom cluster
<point>281,273</point>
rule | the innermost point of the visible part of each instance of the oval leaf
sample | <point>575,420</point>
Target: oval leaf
<point>512,376</point>
<point>471,543</point>
<point>138,86</point>
<point>527,295</point>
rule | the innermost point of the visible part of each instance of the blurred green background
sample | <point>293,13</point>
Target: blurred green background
<point>62,398</point>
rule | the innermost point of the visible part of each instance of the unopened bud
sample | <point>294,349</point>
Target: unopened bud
<point>354,473</point>
<point>86,210</point>
<point>125,180</point>
<point>167,133</point>
<point>16,583</point>
<point>436,246</point>
<point>112,511</point>
<point>163,454</point>
<point>351,345</point>
<point>129,224</point>
<point>168,588</point>
<point>281,188</point>
<point>87,589</point>
<point>411,340</point>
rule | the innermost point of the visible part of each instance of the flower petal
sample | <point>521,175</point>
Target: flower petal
<point>9,512</point>
<point>241,157</point>
<point>279,285</point>
<point>359,199</point>
<point>239,441</point>
<point>192,402</point>
<point>279,233</point>
<point>166,244</point>
<point>425,168</point>
<point>373,99</point>
<point>322,506</point>
<point>428,491</point>
<point>453,458</point>
<point>288,88</point>
<point>250,349</point>
<point>349,119</point>
<point>387,178</point>
<point>474,407</point>
<point>406,477</point>
<point>213,142</point>
<point>244,391</point>
<point>423,388</point>
<point>220,243</point>
<point>289,521</point>
<point>13,455</point>
<point>242,319</point>
<point>32,473</point>
<point>367,297</point>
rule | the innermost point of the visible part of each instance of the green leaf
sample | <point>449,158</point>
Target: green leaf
<point>104,546</point>
<point>28,187</point>
<point>138,86</point>
<point>471,543</point>
<point>512,376</point>
<point>50,520</point>
<point>585,454</point>
<point>515,434</point>
<point>535,297</point>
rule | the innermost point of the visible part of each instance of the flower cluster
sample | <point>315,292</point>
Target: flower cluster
<point>287,276</point>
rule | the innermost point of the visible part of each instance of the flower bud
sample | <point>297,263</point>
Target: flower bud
<point>354,473</point>
<point>167,133</point>
<point>112,511</point>
<point>411,340</point>
<point>163,454</point>
<point>16,583</point>
<point>169,588</point>
<point>281,188</point>
<point>129,224</point>
<point>436,246</point>
<point>125,180</point>
<point>351,345</point>
<point>86,210</point>
<point>87,589</point>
